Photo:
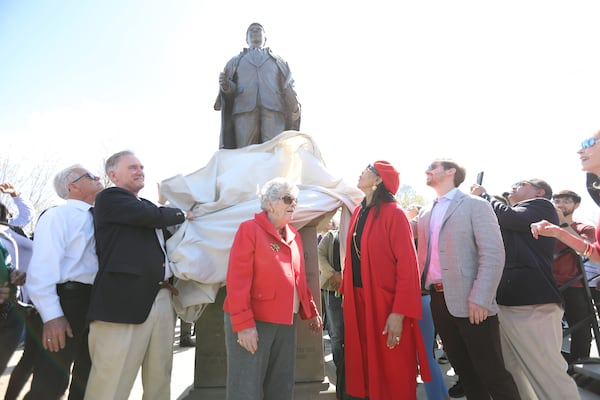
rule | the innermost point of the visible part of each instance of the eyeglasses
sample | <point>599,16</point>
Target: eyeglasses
<point>587,143</point>
<point>289,199</point>
<point>88,175</point>
<point>372,169</point>
<point>432,166</point>
<point>523,183</point>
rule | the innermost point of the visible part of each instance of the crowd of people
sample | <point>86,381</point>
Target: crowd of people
<point>496,286</point>
<point>95,289</point>
<point>492,276</point>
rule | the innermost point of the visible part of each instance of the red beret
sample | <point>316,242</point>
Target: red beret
<point>389,175</point>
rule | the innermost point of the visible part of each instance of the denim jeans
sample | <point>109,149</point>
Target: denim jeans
<point>335,324</point>
<point>436,388</point>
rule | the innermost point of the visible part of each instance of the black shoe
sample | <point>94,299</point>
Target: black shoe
<point>457,390</point>
<point>187,341</point>
<point>443,359</point>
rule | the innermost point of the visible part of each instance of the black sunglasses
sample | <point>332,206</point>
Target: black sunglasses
<point>372,169</point>
<point>89,175</point>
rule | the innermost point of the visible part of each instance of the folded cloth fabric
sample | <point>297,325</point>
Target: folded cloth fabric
<point>223,193</point>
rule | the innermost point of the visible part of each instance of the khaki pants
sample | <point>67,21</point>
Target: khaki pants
<point>531,342</point>
<point>118,351</point>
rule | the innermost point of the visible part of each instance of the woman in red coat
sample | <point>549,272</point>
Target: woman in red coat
<point>266,288</point>
<point>382,294</point>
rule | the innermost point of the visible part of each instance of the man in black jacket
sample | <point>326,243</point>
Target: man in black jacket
<point>131,315</point>
<point>528,297</point>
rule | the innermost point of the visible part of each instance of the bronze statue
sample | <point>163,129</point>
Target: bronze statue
<point>256,97</point>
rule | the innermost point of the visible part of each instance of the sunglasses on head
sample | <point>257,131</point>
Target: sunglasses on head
<point>88,175</point>
<point>289,199</point>
<point>587,143</point>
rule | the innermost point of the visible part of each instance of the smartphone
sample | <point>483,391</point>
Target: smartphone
<point>480,178</point>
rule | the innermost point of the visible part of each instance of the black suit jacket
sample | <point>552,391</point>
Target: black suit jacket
<point>527,278</point>
<point>131,261</point>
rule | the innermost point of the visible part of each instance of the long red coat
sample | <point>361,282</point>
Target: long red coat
<point>391,283</point>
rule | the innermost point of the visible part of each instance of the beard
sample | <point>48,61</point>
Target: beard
<point>566,213</point>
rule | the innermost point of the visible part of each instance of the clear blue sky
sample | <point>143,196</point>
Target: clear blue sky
<point>508,87</point>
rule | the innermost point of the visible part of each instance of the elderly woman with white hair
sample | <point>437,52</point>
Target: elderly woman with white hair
<point>266,291</point>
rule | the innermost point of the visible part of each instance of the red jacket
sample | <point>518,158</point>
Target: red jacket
<point>391,284</point>
<point>263,270</point>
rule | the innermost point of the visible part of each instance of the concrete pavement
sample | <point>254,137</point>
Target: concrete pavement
<point>183,374</point>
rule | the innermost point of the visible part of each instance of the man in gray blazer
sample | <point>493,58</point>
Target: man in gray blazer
<point>461,256</point>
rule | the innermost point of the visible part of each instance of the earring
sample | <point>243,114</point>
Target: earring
<point>374,187</point>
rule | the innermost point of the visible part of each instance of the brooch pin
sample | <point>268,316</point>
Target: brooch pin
<point>275,247</point>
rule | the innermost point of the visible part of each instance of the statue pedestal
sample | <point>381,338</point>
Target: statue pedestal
<point>211,358</point>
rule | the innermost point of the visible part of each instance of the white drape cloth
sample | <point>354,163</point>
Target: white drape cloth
<point>224,193</point>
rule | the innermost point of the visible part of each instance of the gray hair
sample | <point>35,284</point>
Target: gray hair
<point>273,189</point>
<point>64,178</point>
<point>113,160</point>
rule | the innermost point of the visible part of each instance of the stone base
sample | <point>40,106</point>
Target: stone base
<point>302,391</point>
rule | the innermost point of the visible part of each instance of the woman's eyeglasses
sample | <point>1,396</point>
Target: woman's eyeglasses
<point>289,199</point>
<point>587,143</point>
<point>372,169</point>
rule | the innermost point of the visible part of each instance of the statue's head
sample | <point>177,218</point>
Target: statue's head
<point>255,35</point>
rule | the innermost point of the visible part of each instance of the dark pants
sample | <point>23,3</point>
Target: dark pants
<point>11,327</point>
<point>52,371</point>
<point>474,352</point>
<point>185,328</point>
<point>577,308</point>
<point>33,348</point>
<point>267,374</point>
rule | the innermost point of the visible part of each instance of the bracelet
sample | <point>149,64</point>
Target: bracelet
<point>564,225</point>
<point>588,250</point>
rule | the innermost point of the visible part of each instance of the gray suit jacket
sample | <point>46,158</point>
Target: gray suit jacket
<point>471,252</point>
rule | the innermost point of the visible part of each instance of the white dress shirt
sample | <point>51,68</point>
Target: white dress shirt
<point>64,250</point>
<point>163,246</point>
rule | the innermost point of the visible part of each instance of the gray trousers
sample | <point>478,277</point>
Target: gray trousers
<point>267,374</point>
<point>257,126</point>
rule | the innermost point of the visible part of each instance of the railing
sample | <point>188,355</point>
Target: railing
<point>592,317</point>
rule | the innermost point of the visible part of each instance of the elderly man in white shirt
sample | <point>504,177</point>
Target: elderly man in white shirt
<point>61,272</point>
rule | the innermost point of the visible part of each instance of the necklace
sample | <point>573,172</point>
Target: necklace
<point>356,249</point>
<point>354,234</point>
